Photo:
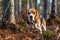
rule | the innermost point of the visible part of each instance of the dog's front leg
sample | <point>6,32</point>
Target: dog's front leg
<point>38,27</point>
<point>44,27</point>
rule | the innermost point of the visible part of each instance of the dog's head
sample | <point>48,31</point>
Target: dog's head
<point>31,14</point>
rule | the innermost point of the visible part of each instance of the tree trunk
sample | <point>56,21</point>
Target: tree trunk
<point>46,9</point>
<point>58,7</point>
<point>16,10</point>
<point>40,6</point>
<point>12,20</point>
<point>28,6</point>
<point>54,9</point>
<point>31,4</point>
<point>20,11</point>
<point>35,4</point>
<point>1,10</point>
<point>6,12</point>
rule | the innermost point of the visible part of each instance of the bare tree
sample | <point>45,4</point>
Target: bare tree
<point>1,11</point>
<point>28,6</point>
<point>54,9</point>
<point>6,12</point>
<point>58,7</point>
<point>36,4</point>
<point>40,6</point>
<point>32,3</point>
<point>16,10</point>
<point>20,9</point>
<point>12,20</point>
<point>46,9</point>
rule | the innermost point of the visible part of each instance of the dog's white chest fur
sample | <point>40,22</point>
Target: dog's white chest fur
<point>34,25</point>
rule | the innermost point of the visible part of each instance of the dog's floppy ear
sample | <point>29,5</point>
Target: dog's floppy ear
<point>25,15</point>
<point>37,15</point>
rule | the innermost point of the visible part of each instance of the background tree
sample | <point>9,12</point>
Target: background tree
<point>46,9</point>
<point>12,18</point>
<point>24,5</point>
<point>16,10</point>
<point>1,9</point>
<point>6,12</point>
<point>32,4</point>
<point>58,7</point>
<point>36,4</point>
<point>40,6</point>
<point>28,6</point>
<point>20,10</point>
<point>54,9</point>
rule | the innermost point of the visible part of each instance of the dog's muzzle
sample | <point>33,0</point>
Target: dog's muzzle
<point>31,17</point>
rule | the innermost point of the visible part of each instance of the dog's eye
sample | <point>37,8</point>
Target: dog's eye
<point>34,13</point>
<point>28,13</point>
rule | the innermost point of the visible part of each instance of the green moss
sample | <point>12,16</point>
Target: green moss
<point>48,34</point>
<point>22,25</point>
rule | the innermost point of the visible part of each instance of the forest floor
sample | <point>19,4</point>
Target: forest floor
<point>7,34</point>
<point>22,34</point>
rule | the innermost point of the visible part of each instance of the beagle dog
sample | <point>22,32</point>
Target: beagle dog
<point>34,19</point>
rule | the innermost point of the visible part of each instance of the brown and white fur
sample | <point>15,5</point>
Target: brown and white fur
<point>34,19</point>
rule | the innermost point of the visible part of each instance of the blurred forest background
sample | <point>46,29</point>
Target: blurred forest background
<point>46,8</point>
<point>11,12</point>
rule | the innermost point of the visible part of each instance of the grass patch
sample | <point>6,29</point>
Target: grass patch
<point>22,25</point>
<point>48,34</point>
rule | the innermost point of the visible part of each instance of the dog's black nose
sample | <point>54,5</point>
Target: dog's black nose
<point>30,16</point>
